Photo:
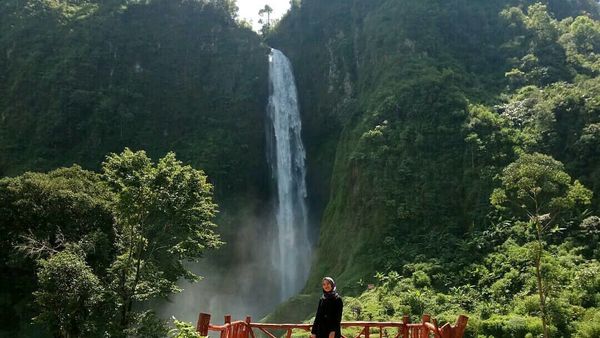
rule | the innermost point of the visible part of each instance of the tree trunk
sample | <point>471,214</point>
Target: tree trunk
<point>538,275</point>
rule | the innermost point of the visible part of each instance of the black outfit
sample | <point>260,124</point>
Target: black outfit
<point>329,317</point>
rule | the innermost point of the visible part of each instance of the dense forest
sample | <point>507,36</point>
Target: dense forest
<point>453,155</point>
<point>82,79</point>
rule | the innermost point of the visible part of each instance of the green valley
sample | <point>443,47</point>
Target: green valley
<point>452,162</point>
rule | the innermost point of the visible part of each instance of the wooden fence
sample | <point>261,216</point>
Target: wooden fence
<point>425,329</point>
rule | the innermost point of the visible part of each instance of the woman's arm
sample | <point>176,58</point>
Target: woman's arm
<point>317,321</point>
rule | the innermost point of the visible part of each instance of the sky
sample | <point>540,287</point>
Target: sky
<point>249,9</point>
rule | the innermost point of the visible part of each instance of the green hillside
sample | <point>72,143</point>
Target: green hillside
<point>453,156</point>
<point>84,78</point>
<point>430,101</point>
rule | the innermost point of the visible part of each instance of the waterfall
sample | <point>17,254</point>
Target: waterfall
<point>291,251</point>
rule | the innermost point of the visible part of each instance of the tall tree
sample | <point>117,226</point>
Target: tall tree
<point>536,189</point>
<point>163,216</point>
<point>266,22</point>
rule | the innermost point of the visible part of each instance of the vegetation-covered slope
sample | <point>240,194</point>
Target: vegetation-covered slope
<point>80,79</point>
<point>434,99</point>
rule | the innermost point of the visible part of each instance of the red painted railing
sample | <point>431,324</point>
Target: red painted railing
<point>426,329</point>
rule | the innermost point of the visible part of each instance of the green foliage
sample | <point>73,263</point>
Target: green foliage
<point>265,14</point>
<point>92,77</point>
<point>512,326</point>
<point>589,326</point>
<point>106,242</point>
<point>420,279</point>
<point>434,101</point>
<point>69,295</point>
<point>538,56</point>
<point>167,202</point>
<point>410,110</point>
<point>163,215</point>
<point>503,302</point>
<point>41,213</point>
<point>582,42</point>
<point>535,185</point>
<point>183,330</point>
<point>145,324</point>
<point>80,79</point>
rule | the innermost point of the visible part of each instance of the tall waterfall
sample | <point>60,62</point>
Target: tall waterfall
<point>291,250</point>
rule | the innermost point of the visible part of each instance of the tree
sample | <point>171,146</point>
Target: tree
<point>40,213</point>
<point>183,330</point>
<point>106,241</point>
<point>536,189</point>
<point>69,295</point>
<point>230,7</point>
<point>582,43</point>
<point>267,10</point>
<point>163,215</point>
<point>537,56</point>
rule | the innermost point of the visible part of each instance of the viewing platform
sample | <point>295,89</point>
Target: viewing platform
<point>427,328</point>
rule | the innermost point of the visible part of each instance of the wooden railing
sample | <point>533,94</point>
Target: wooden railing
<point>426,328</point>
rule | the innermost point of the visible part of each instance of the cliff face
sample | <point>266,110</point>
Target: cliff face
<point>84,78</point>
<point>401,104</point>
<point>384,87</point>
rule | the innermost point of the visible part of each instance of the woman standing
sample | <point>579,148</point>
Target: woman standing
<point>329,313</point>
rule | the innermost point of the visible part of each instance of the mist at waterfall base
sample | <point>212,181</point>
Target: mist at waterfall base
<point>267,256</point>
<point>238,278</point>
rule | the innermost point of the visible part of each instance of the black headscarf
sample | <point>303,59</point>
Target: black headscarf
<point>333,293</point>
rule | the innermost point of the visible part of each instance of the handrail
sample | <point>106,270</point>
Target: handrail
<point>427,327</point>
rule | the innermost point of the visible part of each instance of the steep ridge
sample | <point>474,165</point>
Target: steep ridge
<point>397,89</point>
<point>84,78</point>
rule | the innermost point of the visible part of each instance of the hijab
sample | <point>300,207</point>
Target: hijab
<point>333,293</point>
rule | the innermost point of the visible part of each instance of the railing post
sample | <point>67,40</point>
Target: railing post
<point>424,330</point>
<point>405,321</point>
<point>447,331</point>
<point>202,325</point>
<point>248,328</point>
<point>436,327</point>
<point>225,333</point>
<point>461,325</point>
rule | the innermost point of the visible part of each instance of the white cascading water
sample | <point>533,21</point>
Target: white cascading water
<point>291,250</point>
